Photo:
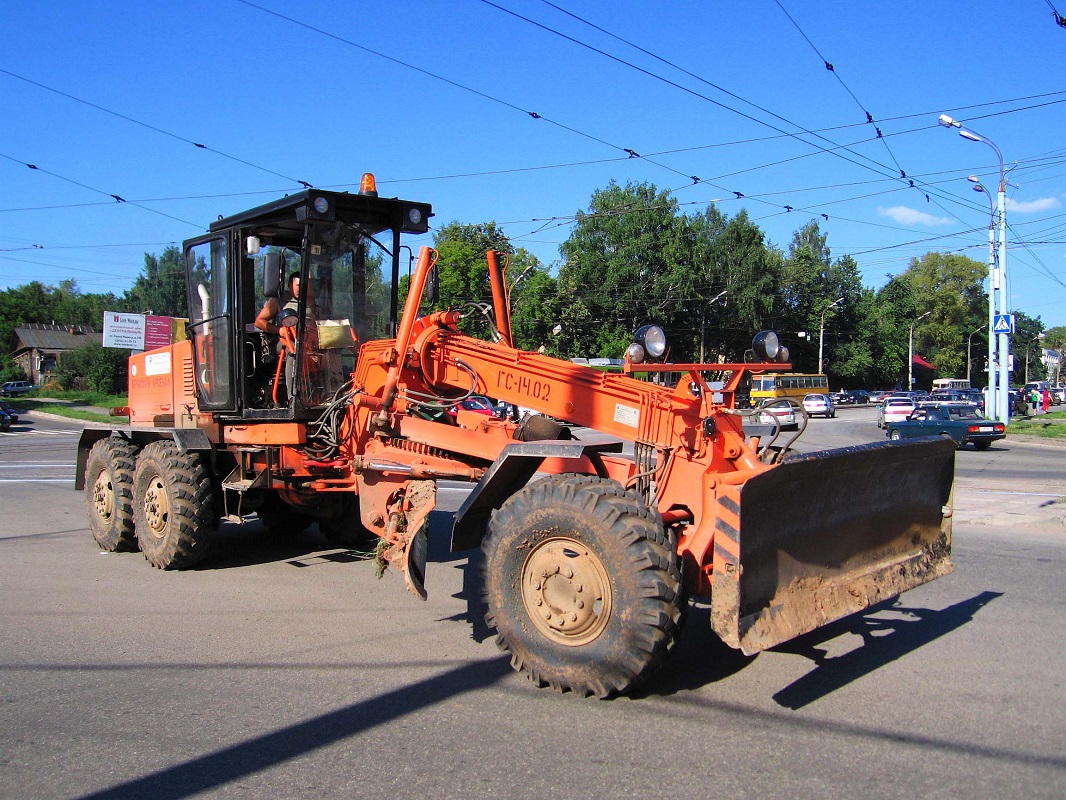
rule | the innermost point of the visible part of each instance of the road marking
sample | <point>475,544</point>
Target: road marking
<point>37,480</point>
<point>24,465</point>
<point>39,433</point>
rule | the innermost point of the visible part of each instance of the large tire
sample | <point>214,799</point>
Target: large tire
<point>174,506</point>
<point>109,493</point>
<point>582,585</point>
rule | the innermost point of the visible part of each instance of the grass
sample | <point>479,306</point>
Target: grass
<point>73,405</point>
<point>1046,426</point>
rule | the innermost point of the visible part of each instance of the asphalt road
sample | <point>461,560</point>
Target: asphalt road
<point>283,668</point>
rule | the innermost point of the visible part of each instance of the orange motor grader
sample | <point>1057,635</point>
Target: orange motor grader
<point>351,415</point>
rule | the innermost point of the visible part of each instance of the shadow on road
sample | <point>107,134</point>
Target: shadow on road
<point>885,639</point>
<point>237,761</point>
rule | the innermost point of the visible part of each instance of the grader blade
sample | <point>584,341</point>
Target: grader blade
<point>825,535</point>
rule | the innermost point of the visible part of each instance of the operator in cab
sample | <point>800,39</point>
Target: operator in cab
<point>269,319</point>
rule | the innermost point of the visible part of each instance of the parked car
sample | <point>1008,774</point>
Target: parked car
<point>5,422</point>
<point>15,388</point>
<point>785,413</point>
<point>477,404</point>
<point>819,405</point>
<point>10,410</point>
<point>879,395</point>
<point>1059,394</point>
<point>894,409</point>
<point>959,421</point>
<point>851,397</point>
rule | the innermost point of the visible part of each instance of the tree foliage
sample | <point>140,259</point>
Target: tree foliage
<point>103,368</point>
<point>160,289</point>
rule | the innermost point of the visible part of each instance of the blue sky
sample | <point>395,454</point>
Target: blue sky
<point>438,100</point>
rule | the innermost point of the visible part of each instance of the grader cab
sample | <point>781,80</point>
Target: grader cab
<point>590,551</point>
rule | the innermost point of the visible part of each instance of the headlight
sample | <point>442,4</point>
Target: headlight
<point>766,345</point>
<point>651,340</point>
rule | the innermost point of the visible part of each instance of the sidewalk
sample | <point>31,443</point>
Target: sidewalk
<point>1033,511</point>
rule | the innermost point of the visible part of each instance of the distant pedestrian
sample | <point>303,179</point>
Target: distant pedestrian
<point>1045,404</point>
<point>1034,402</point>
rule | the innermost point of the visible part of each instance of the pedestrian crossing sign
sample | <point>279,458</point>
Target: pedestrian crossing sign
<point>1004,323</point>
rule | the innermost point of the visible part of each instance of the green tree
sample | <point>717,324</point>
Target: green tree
<point>889,322</point>
<point>463,269</point>
<point>535,302</point>
<point>817,288</point>
<point>949,287</point>
<point>619,271</point>
<point>729,255</point>
<point>160,289</point>
<point>103,368</point>
<point>1026,345</point>
<point>1056,340</point>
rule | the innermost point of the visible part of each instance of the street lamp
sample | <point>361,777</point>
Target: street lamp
<point>993,287</point>
<point>821,332</point>
<point>969,360</point>
<point>703,320</point>
<point>1028,349</point>
<point>999,278</point>
<point>910,352</point>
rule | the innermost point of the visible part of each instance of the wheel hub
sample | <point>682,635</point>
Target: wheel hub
<point>566,591</point>
<point>156,507</point>
<point>103,496</point>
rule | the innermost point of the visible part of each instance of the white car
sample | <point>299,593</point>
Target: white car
<point>784,413</point>
<point>819,405</point>
<point>894,409</point>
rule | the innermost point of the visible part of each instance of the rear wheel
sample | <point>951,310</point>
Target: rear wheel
<point>582,585</point>
<point>173,503</point>
<point>894,435</point>
<point>109,493</point>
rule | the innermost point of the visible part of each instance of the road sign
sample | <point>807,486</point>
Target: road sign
<point>1004,323</point>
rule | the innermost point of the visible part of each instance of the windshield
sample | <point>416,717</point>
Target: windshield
<point>345,299</point>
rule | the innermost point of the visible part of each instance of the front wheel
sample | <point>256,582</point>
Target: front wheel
<point>172,499</point>
<point>894,435</point>
<point>582,585</point>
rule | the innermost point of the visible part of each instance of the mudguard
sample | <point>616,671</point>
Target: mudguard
<point>827,534</point>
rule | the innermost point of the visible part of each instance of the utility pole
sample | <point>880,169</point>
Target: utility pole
<point>821,332</point>
<point>999,278</point>
<point>910,352</point>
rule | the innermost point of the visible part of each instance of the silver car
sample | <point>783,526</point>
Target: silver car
<point>819,405</point>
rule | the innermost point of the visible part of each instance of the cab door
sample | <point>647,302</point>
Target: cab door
<point>209,283</point>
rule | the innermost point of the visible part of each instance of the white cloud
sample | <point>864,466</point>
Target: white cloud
<point>1033,206</point>
<point>910,216</point>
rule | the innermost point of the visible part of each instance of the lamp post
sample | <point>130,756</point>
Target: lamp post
<point>703,320</point>
<point>999,277</point>
<point>910,352</point>
<point>821,332</point>
<point>993,286</point>
<point>1028,349</point>
<point>969,360</point>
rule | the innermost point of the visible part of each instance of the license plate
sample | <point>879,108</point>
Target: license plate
<point>986,429</point>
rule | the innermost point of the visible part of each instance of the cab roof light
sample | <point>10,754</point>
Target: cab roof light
<point>368,185</point>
